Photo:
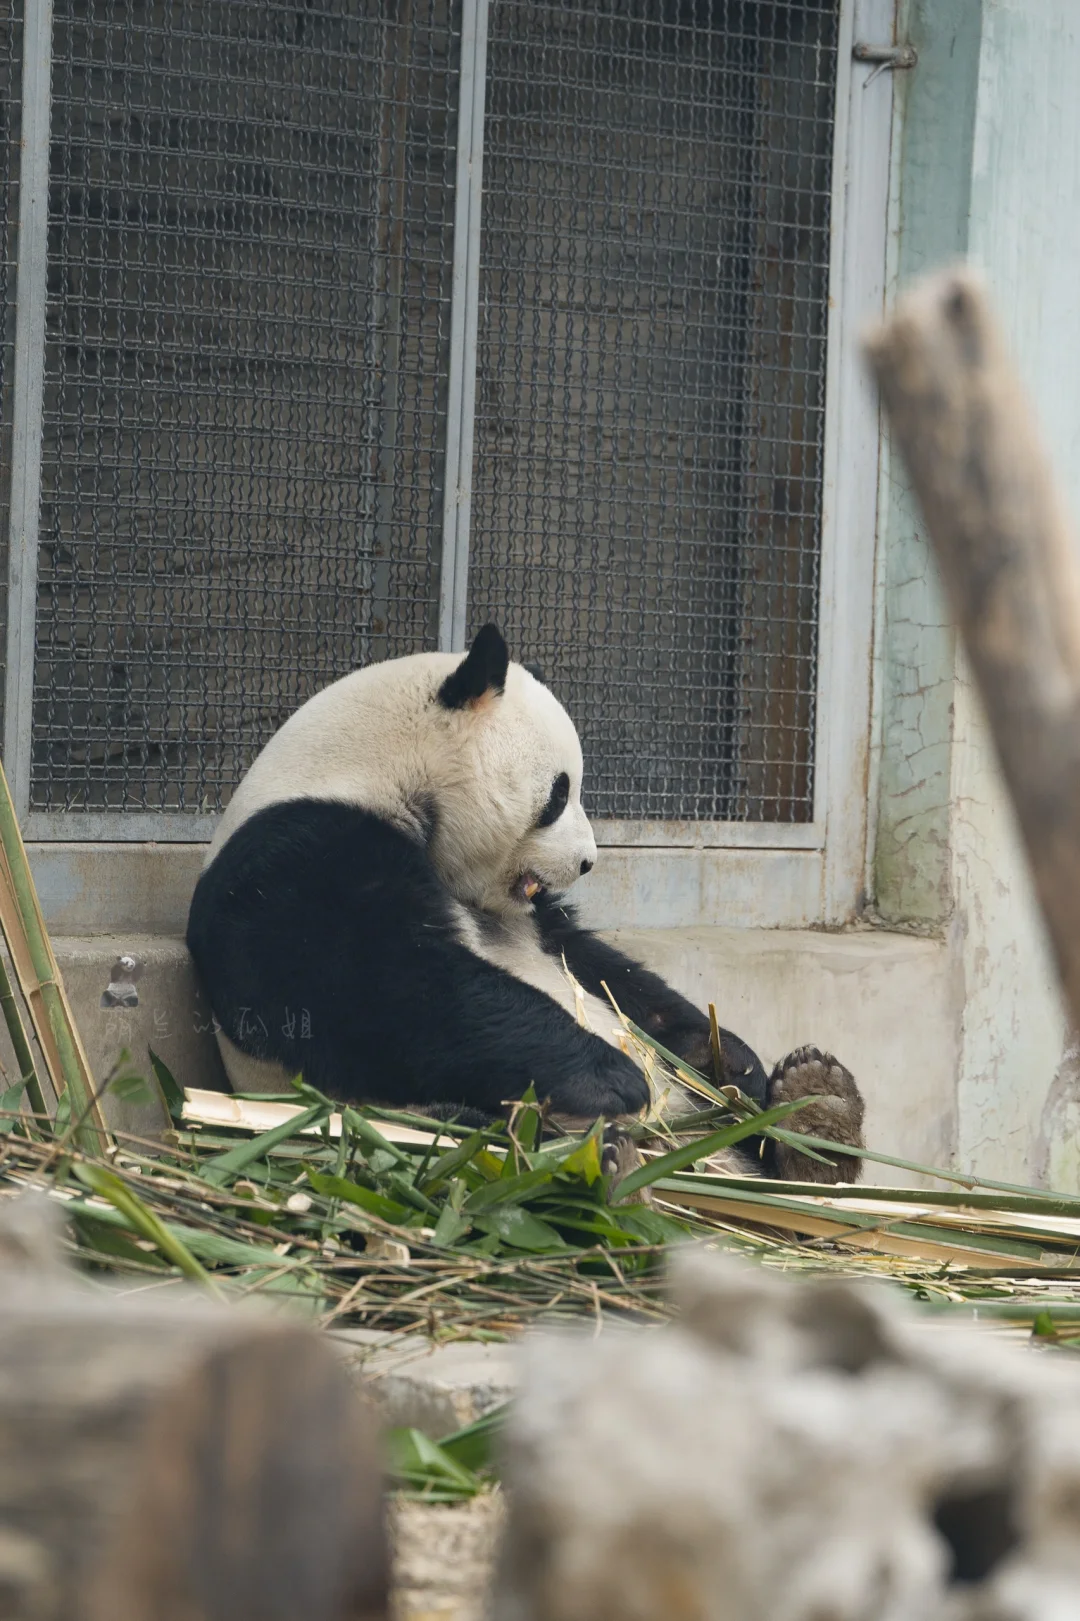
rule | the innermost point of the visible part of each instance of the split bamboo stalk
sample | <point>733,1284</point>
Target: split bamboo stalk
<point>39,976</point>
<point>1009,559</point>
<point>17,1031</point>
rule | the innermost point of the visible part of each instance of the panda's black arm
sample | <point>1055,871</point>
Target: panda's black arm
<point>327,944</point>
<point>645,998</point>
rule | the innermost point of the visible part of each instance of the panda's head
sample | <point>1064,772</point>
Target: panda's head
<point>506,784</point>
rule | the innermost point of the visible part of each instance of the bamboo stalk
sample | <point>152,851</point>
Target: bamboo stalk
<point>23,1056</point>
<point>28,942</point>
<point>1009,561</point>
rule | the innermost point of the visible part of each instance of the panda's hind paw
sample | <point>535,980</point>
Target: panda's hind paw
<point>836,1115</point>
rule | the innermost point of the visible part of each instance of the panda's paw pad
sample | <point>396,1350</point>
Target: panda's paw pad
<point>618,1157</point>
<point>837,1114</point>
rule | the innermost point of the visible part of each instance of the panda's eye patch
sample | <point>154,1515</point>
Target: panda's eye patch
<point>560,793</point>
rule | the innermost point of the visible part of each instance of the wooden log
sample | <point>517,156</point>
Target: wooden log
<point>959,416</point>
<point>172,1460</point>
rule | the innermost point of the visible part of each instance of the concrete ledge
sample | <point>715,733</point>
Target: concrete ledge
<point>887,1004</point>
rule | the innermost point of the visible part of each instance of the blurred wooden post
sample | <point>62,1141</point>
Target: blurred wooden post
<point>1009,560</point>
<point>171,1460</point>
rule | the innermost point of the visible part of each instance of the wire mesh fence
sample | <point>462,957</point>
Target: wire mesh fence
<point>250,281</point>
<point>249,267</point>
<point>10,136</point>
<point>650,401</point>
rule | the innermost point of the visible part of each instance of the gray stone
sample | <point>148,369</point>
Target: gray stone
<point>437,1389</point>
<point>790,1448</point>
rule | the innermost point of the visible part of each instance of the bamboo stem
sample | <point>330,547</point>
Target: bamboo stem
<point>19,1041</point>
<point>1009,561</point>
<point>73,1070</point>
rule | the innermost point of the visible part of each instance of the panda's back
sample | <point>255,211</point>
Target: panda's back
<point>356,741</point>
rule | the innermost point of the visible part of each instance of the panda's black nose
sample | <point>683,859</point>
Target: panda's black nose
<point>586,866</point>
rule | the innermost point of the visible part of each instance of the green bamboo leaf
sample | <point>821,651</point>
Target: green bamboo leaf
<point>652,1226</point>
<point>402,1184</point>
<point>107,1237</point>
<point>585,1160</point>
<point>108,1186</point>
<point>371,1137</point>
<point>448,1164</point>
<point>473,1446</point>
<point>206,1246</point>
<point>415,1459</point>
<point>10,1104</point>
<point>225,1167</point>
<point>376,1204</point>
<point>451,1224</point>
<point>527,1127</point>
<point>519,1228</point>
<point>668,1164</point>
<point>171,1090</point>
<point>508,1190</point>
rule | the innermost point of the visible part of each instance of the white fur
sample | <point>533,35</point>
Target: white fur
<point>380,739</point>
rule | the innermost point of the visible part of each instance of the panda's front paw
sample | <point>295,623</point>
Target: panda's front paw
<point>619,1156</point>
<point>607,1083</point>
<point>837,1115</point>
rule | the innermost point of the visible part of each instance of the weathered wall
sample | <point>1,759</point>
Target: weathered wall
<point>985,163</point>
<point>1025,232</point>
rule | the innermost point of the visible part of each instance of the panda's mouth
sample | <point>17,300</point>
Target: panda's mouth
<point>529,887</point>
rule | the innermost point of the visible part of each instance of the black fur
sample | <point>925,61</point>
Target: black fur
<point>481,671</point>
<point>326,942</point>
<point>645,999</point>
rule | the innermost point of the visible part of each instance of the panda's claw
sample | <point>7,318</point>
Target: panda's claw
<point>837,1115</point>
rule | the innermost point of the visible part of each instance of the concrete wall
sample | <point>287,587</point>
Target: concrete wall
<point>853,994</point>
<point>986,163</point>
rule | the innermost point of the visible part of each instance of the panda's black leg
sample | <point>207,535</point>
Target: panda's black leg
<point>837,1115</point>
<point>672,1021</point>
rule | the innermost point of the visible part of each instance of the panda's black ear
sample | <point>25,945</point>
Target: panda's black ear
<point>536,672</point>
<point>481,673</point>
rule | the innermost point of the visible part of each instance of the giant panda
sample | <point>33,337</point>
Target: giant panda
<point>381,909</point>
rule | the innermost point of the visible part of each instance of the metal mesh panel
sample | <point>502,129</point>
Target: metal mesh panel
<point>249,276</point>
<point>10,134</point>
<point>650,405</point>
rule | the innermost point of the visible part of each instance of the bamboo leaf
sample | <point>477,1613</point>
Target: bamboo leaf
<point>448,1164</point>
<point>473,1446</point>
<point>10,1104</point>
<point>527,1124</point>
<point>451,1224</point>
<point>667,1164</point>
<point>416,1460</point>
<point>517,1227</point>
<point>508,1190</point>
<point>376,1204</point>
<point>224,1167</point>
<point>585,1160</point>
<point>171,1090</point>
<point>109,1186</point>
